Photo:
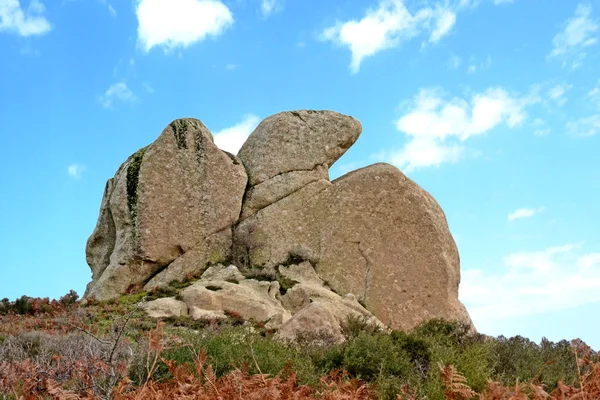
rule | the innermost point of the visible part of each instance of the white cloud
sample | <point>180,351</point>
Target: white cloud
<point>531,283</point>
<point>436,126</point>
<point>444,21</point>
<point>497,2</point>
<point>425,152</point>
<point>267,7</point>
<point>540,127</point>
<point>483,65</point>
<point>587,126</point>
<point>180,23</point>
<point>118,91</point>
<point>577,34</point>
<point>454,61</point>
<point>524,213</point>
<point>112,10</point>
<point>231,67</point>
<point>386,27</point>
<point>75,171</point>
<point>557,93</point>
<point>231,139</point>
<point>30,22</point>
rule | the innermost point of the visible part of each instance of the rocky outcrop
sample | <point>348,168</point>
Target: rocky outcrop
<point>371,244</point>
<point>221,290</point>
<point>179,194</point>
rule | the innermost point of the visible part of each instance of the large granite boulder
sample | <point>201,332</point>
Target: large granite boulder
<point>179,194</point>
<point>289,150</point>
<point>371,244</point>
<point>373,233</point>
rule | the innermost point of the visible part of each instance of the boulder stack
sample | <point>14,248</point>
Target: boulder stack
<point>371,244</point>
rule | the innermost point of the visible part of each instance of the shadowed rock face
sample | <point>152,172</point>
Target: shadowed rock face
<point>179,194</point>
<point>373,237</point>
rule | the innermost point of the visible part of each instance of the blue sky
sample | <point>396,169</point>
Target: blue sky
<point>493,106</point>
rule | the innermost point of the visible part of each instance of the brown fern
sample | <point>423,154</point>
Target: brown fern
<point>455,384</point>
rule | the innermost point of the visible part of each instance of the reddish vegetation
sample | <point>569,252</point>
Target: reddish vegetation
<point>99,369</point>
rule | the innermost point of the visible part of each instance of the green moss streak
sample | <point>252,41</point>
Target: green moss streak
<point>180,128</point>
<point>199,139</point>
<point>133,173</point>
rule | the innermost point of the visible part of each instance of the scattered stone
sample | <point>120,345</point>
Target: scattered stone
<point>207,315</point>
<point>314,321</point>
<point>165,307</point>
<point>250,299</point>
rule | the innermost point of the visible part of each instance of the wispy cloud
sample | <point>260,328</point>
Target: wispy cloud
<point>387,26</point>
<point>117,92</point>
<point>540,127</point>
<point>436,127</point>
<point>180,23</point>
<point>577,34</point>
<point>148,88</point>
<point>267,7</point>
<point>531,282</point>
<point>454,61</point>
<point>524,213</point>
<point>75,171</point>
<point>29,22</point>
<point>588,126</point>
<point>231,139</point>
<point>478,66</point>
<point>557,93</point>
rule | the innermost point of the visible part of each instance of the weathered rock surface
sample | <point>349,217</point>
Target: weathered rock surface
<point>165,307</point>
<point>278,187</point>
<point>314,319</point>
<point>165,200</point>
<point>373,233</point>
<point>226,289</point>
<point>213,248</point>
<point>297,141</point>
<point>287,227</point>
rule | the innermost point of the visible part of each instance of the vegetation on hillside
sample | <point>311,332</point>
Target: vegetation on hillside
<point>111,350</point>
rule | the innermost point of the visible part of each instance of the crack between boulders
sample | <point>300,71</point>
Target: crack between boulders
<point>284,197</point>
<point>285,172</point>
<point>368,274</point>
<point>158,271</point>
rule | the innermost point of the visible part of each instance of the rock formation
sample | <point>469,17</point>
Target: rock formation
<point>370,244</point>
<point>175,199</point>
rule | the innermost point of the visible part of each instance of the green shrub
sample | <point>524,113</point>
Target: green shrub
<point>237,347</point>
<point>355,325</point>
<point>369,356</point>
<point>417,349</point>
<point>23,305</point>
<point>69,298</point>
